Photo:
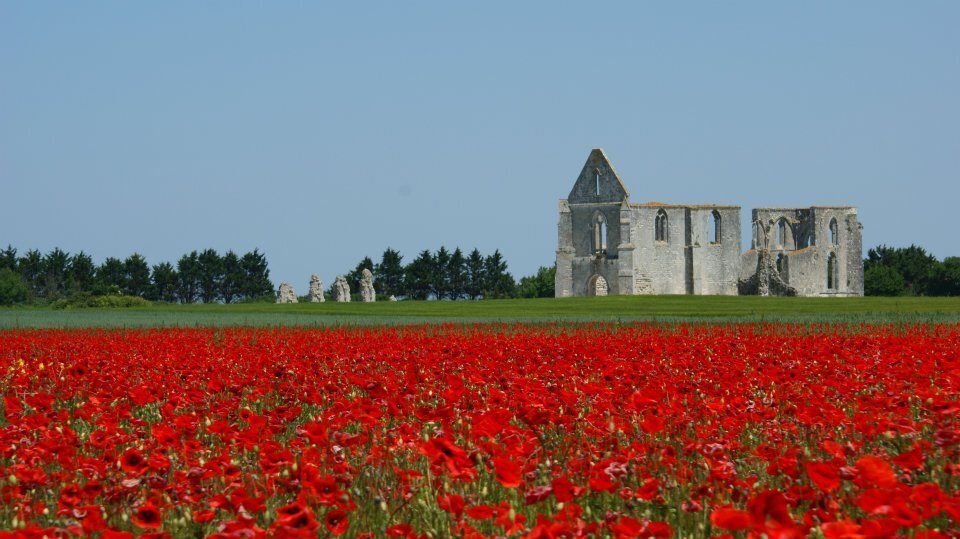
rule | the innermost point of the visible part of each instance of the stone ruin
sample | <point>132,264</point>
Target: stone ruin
<point>367,293</point>
<point>316,289</point>
<point>341,290</point>
<point>285,294</point>
<point>608,245</point>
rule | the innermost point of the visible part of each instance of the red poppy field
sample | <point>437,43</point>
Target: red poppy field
<point>520,431</point>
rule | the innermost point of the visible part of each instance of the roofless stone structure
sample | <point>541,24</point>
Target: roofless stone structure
<point>608,245</point>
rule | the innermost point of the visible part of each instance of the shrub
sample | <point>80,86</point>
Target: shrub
<point>13,289</point>
<point>86,300</point>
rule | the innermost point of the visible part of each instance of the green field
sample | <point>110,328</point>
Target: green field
<point>614,308</point>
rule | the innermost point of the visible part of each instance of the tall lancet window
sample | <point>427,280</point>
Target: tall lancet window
<point>715,227</point>
<point>661,227</point>
<point>599,234</point>
<point>596,177</point>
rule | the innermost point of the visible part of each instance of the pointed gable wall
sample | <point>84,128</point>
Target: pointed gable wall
<point>611,189</point>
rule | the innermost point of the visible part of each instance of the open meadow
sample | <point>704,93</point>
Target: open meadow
<point>611,308</point>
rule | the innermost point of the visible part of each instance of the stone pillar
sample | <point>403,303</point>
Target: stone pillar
<point>285,294</point>
<point>316,289</point>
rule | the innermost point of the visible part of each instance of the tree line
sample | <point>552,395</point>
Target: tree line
<point>204,276</point>
<point>909,271</point>
<point>449,275</point>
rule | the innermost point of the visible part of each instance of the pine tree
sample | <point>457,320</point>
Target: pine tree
<point>256,275</point>
<point>419,276</point>
<point>456,275</point>
<point>136,275</point>
<point>389,274</point>
<point>188,273</point>
<point>163,283</point>
<point>475,275</point>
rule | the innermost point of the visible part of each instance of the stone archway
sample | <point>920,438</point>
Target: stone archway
<point>597,286</point>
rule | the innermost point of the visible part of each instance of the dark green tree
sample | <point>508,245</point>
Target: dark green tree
<point>55,266</point>
<point>13,289</point>
<point>188,273</point>
<point>164,283</point>
<point>30,268</point>
<point>389,274</point>
<point>418,276</point>
<point>256,275</point>
<point>111,277</point>
<point>540,285</point>
<point>232,284</point>
<point>475,276</point>
<point>8,258</point>
<point>882,280</point>
<point>81,273</point>
<point>945,278</point>
<point>136,275</point>
<point>210,272</point>
<point>440,286</point>
<point>913,263</point>
<point>456,275</point>
<point>498,282</point>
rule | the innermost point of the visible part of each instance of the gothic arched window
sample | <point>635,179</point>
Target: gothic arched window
<point>661,227</point>
<point>834,232</point>
<point>599,234</point>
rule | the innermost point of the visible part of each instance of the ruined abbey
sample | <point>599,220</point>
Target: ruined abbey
<point>609,246</point>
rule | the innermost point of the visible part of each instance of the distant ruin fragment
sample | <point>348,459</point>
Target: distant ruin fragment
<point>341,290</point>
<point>316,289</point>
<point>285,294</point>
<point>367,293</point>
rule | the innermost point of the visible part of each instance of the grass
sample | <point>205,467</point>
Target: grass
<point>613,308</point>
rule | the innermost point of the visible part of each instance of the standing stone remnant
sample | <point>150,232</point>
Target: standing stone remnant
<point>341,290</point>
<point>316,289</point>
<point>367,293</point>
<point>286,294</point>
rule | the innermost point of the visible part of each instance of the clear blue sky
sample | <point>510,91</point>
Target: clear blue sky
<point>321,133</point>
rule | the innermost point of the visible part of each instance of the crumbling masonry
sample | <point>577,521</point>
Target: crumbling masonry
<point>609,246</point>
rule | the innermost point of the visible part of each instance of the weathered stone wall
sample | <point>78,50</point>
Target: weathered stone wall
<point>660,267</point>
<point>715,265</point>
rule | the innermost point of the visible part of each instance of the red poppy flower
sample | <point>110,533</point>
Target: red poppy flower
<point>824,475</point>
<point>874,471</point>
<point>132,461</point>
<point>148,516</point>
<point>507,472</point>
<point>730,519</point>
<point>336,522</point>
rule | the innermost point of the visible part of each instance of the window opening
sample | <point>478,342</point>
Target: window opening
<point>832,271</point>
<point>834,232</point>
<point>714,225</point>
<point>660,226</point>
<point>599,235</point>
<point>596,176</point>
